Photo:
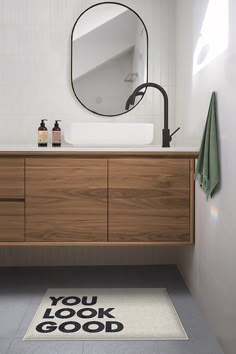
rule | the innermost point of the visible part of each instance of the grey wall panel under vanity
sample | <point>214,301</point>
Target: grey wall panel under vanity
<point>56,256</point>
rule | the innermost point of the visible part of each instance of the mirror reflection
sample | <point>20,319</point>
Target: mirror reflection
<point>109,57</point>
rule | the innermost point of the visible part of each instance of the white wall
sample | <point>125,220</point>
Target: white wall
<point>35,84</point>
<point>209,266</point>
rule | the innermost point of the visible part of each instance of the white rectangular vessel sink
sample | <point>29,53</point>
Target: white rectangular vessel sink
<point>104,134</point>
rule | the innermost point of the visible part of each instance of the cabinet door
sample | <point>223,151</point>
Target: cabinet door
<point>66,199</point>
<point>11,178</point>
<point>12,221</point>
<point>149,200</point>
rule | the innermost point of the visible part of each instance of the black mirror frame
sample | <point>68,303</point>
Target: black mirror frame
<point>102,3</point>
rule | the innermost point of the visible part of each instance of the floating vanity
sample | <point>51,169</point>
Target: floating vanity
<point>136,196</point>
<point>133,195</point>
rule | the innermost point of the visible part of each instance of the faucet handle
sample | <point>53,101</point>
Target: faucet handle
<point>167,137</point>
<point>174,132</point>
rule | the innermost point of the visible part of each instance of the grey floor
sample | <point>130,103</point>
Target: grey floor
<point>22,289</point>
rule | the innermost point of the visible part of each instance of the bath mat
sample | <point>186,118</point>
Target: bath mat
<point>106,314</point>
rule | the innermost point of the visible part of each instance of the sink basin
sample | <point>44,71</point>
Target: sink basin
<point>109,134</point>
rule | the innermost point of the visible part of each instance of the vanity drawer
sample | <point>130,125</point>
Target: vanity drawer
<point>12,226</point>
<point>11,178</point>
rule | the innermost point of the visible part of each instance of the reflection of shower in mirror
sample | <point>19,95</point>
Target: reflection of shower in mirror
<point>131,77</point>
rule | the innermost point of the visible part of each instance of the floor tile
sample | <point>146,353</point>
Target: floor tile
<point>120,347</point>
<point>206,346</point>
<point>10,322</point>
<point>176,347</point>
<point>14,301</point>
<point>4,344</point>
<point>29,314</point>
<point>45,347</point>
<point>189,347</point>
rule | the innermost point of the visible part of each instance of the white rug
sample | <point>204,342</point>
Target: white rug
<point>106,314</point>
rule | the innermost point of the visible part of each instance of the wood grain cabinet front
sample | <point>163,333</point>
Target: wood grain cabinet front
<point>12,221</point>
<point>11,178</point>
<point>100,200</point>
<point>66,199</point>
<point>150,200</point>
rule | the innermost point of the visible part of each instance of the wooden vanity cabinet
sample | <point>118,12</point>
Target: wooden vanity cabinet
<point>12,223</point>
<point>66,199</point>
<point>54,198</point>
<point>150,200</point>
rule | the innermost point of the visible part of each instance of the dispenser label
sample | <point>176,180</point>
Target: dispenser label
<point>56,136</point>
<point>42,136</point>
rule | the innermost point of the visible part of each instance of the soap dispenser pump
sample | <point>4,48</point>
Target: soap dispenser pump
<point>42,134</point>
<point>56,134</point>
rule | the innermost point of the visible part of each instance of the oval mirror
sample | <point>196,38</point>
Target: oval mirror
<point>109,57</point>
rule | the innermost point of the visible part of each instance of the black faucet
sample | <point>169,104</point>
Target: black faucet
<point>166,136</point>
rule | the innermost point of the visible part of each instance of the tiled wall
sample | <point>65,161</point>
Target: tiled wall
<point>35,65</point>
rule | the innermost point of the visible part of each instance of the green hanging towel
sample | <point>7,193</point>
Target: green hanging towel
<point>207,170</point>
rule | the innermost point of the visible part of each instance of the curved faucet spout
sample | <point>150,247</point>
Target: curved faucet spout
<point>164,94</point>
<point>166,136</point>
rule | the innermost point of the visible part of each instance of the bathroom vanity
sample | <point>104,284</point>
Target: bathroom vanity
<point>53,197</point>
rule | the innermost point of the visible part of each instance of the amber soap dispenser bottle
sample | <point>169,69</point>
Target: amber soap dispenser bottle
<point>42,134</point>
<point>56,134</point>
